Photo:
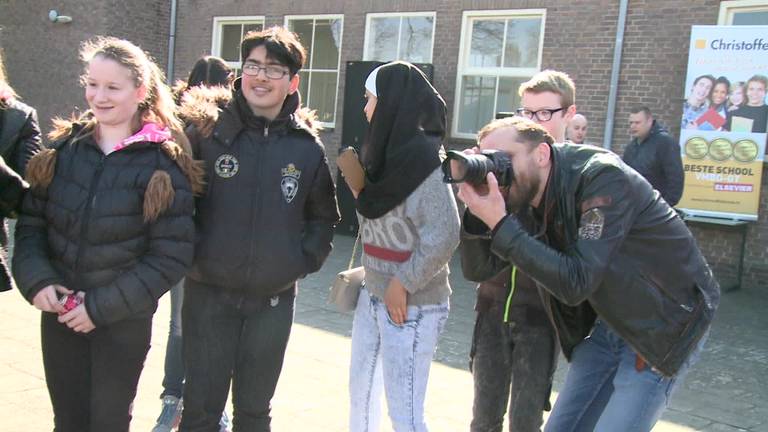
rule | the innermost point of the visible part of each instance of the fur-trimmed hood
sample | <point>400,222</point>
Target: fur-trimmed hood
<point>159,193</point>
<point>202,106</point>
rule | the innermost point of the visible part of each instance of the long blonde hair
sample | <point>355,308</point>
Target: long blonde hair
<point>4,86</point>
<point>158,106</point>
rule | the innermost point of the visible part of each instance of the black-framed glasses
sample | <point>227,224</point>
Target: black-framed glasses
<point>274,72</point>
<point>541,115</point>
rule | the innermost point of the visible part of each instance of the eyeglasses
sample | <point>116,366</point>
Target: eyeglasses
<point>271,71</point>
<point>541,115</point>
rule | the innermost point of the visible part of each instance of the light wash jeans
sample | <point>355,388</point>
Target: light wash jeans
<point>397,357</point>
<point>604,392</point>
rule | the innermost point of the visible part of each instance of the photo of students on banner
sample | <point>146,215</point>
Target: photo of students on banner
<point>720,104</point>
<point>723,125</point>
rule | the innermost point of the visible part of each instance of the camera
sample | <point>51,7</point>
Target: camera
<point>473,169</point>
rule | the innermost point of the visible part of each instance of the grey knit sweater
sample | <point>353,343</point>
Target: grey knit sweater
<point>414,241</point>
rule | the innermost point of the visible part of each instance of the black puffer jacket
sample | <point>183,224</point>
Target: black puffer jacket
<point>118,227</point>
<point>19,141</point>
<point>267,216</point>
<point>613,246</point>
<point>657,158</point>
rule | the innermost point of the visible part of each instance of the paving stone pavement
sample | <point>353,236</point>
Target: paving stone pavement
<point>726,391</point>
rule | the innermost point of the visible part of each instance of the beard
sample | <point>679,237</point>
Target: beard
<point>522,192</point>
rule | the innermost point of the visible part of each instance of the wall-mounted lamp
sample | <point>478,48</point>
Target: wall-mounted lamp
<point>54,16</point>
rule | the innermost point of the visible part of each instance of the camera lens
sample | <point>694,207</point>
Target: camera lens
<point>474,168</point>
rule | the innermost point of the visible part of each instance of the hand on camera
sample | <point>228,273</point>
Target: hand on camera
<point>489,207</point>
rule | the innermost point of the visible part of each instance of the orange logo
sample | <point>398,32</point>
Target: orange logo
<point>701,43</point>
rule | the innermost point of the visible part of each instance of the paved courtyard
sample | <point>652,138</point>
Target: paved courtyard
<point>726,391</point>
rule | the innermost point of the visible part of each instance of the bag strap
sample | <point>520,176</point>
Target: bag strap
<point>354,251</point>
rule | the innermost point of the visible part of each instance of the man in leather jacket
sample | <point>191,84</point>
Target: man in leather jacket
<point>621,277</point>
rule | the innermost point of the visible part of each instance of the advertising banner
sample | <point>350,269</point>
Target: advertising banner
<point>723,127</point>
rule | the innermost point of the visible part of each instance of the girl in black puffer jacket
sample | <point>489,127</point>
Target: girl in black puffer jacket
<point>109,221</point>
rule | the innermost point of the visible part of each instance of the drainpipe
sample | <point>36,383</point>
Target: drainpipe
<point>171,44</point>
<point>615,68</point>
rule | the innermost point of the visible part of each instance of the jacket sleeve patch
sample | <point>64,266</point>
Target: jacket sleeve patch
<point>591,224</point>
<point>598,201</point>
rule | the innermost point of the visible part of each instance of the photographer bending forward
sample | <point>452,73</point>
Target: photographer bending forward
<point>621,277</point>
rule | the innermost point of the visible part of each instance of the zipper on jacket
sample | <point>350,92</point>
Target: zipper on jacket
<point>266,130</point>
<point>91,203</point>
<point>256,208</point>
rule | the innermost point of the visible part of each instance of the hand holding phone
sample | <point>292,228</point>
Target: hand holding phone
<point>351,169</point>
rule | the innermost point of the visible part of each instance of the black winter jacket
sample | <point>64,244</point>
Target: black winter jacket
<point>494,276</point>
<point>613,248</point>
<point>267,216</point>
<point>19,141</point>
<point>118,227</point>
<point>657,158</point>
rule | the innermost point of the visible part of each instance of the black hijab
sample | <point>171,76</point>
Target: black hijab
<point>402,146</point>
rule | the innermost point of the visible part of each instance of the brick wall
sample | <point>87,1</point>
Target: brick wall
<point>41,57</point>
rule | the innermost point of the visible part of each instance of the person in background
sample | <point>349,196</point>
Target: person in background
<point>655,154</point>
<point>409,227</point>
<point>577,129</point>
<point>208,71</point>
<point>107,226</point>
<point>19,141</point>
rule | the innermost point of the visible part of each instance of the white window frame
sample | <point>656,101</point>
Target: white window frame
<point>371,16</point>
<point>218,25</point>
<point>314,18</point>
<point>730,7</point>
<point>467,18</point>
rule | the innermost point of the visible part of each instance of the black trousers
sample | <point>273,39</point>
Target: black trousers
<point>233,339</point>
<point>512,363</point>
<point>92,378</point>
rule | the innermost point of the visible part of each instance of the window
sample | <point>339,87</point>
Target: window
<point>499,51</point>
<point>321,37</point>
<point>743,12</point>
<point>394,36</point>
<point>228,32</point>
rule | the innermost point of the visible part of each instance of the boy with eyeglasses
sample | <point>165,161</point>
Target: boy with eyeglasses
<point>514,353</point>
<point>265,221</point>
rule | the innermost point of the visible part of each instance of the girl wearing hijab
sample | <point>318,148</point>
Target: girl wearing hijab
<point>409,229</point>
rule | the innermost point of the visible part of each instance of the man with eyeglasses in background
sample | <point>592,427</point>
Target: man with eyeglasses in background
<point>514,350</point>
<point>265,221</point>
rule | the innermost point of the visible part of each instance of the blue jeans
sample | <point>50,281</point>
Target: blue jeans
<point>237,339</point>
<point>173,381</point>
<point>397,357</point>
<point>604,391</point>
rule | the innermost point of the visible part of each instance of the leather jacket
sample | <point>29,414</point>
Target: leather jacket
<point>613,248</point>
